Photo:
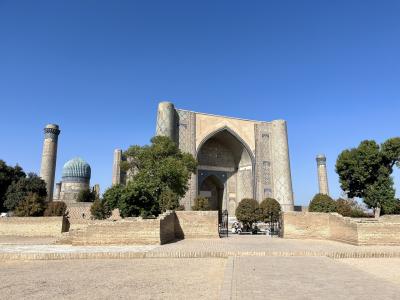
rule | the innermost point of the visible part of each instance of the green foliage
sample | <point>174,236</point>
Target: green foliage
<point>161,173</point>
<point>270,210</point>
<point>86,196</point>
<point>248,211</point>
<point>201,203</point>
<point>55,209</point>
<point>322,203</point>
<point>100,210</point>
<point>32,205</point>
<point>365,172</point>
<point>168,200</point>
<point>112,196</point>
<point>8,175</point>
<point>349,208</point>
<point>18,190</point>
<point>138,200</point>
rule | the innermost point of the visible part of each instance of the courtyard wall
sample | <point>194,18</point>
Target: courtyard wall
<point>33,226</point>
<point>362,231</point>
<point>196,224</point>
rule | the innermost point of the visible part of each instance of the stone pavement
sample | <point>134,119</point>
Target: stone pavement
<point>238,267</point>
<point>301,278</point>
<point>235,245</point>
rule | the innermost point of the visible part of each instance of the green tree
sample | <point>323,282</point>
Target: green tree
<point>86,195</point>
<point>160,177</point>
<point>248,212</point>
<point>18,190</point>
<point>55,209</point>
<point>100,210</point>
<point>201,203</point>
<point>7,176</point>
<point>112,196</point>
<point>322,203</point>
<point>270,210</point>
<point>32,205</point>
<point>365,172</point>
<point>349,208</point>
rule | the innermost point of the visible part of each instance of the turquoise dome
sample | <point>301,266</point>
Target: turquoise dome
<point>76,169</point>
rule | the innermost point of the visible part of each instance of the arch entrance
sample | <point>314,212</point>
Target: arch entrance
<point>225,170</point>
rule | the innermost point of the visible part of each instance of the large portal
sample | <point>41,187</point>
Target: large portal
<point>225,171</point>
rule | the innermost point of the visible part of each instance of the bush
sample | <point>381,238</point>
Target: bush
<point>248,212</point>
<point>180,207</point>
<point>55,209</point>
<point>201,203</point>
<point>86,196</point>
<point>32,205</point>
<point>349,208</point>
<point>100,210</point>
<point>322,203</point>
<point>270,210</point>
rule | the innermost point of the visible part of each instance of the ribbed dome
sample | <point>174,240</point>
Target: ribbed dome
<point>76,168</point>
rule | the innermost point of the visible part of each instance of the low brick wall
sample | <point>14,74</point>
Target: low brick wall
<point>196,224</point>
<point>303,225</point>
<point>382,231</point>
<point>129,231</point>
<point>33,226</point>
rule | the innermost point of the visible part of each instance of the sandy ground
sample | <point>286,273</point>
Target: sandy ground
<point>112,279</point>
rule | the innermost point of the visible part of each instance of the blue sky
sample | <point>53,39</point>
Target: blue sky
<point>99,68</point>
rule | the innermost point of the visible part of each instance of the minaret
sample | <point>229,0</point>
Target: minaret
<point>49,157</point>
<point>116,175</point>
<point>166,120</point>
<point>322,175</point>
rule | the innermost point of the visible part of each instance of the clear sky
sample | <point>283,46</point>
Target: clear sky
<point>99,68</point>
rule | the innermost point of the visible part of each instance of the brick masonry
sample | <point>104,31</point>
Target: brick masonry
<point>306,225</point>
<point>33,226</point>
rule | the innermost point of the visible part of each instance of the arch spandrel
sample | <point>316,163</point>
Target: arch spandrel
<point>206,125</point>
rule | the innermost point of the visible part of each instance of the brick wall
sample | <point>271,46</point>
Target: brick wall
<point>303,225</point>
<point>382,231</point>
<point>196,224</point>
<point>33,226</point>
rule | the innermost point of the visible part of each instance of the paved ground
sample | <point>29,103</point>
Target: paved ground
<point>303,278</point>
<point>112,279</point>
<point>252,267</point>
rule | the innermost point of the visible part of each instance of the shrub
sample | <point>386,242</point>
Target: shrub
<point>86,196</point>
<point>349,208</point>
<point>201,203</point>
<point>270,210</point>
<point>32,205</point>
<point>248,212</point>
<point>322,203</point>
<point>100,210</point>
<point>180,207</point>
<point>55,209</point>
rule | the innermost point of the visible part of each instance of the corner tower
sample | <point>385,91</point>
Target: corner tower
<point>49,157</point>
<point>322,174</point>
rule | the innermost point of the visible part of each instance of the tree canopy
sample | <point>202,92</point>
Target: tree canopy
<point>160,178</point>
<point>270,210</point>
<point>18,190</point>
<point>248,211</point>
<point>365,172</point>
<point>8,175</point>
<point>322,203</point>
